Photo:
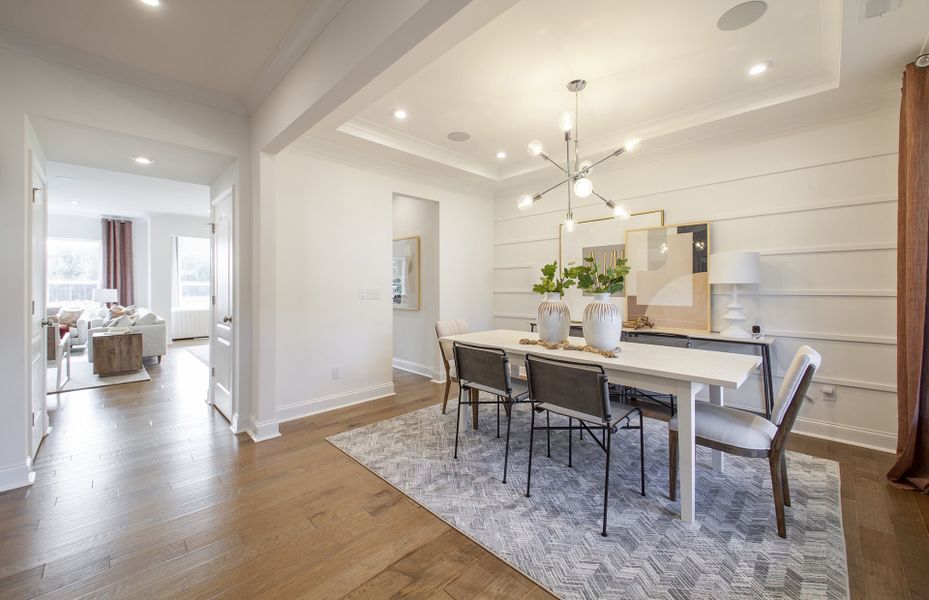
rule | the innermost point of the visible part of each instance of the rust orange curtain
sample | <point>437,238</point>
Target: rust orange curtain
<point>911,469</point>
<point>117,259</point>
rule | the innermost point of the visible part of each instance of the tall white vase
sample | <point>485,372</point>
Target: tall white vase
<point>603,323</point>
<point>554,319</point>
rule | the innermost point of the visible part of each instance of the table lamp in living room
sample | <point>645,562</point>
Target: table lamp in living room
<point>105,295</point>
<point>735,269</point>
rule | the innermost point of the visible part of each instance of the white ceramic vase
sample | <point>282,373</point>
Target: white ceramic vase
<point>554,319</point>
<point>603,323</point>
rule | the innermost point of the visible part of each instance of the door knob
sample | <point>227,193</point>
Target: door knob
<point>227,319</point>
<point>47,323</point>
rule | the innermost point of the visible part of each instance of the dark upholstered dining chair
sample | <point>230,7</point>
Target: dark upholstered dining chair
<point>442,329</point>
<point>487,370</point>
<point>743,433</point>
<point>581,393</point>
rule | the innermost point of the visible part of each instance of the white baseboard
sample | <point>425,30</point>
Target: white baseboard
<point>265,430</point>
<point>305,408</point>
<point>415,368</point>
<point>16,476</point>
<point>236,425</point>
<point>856,436</point>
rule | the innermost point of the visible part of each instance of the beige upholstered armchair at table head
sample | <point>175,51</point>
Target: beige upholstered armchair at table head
<point>442,329</point>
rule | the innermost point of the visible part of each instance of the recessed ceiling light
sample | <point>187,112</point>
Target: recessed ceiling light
<point>143,160</point>
<point>459,136</point>
<point>501,155</point>
<point>65,178</point>
<point>742,15</point>
<point>400,114</point>
<point>759,68</point>
<point>75,202</point>
<point>155,3</point>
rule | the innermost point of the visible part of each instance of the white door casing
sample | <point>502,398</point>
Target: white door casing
<point>37,331</point>
<point>222,330</point>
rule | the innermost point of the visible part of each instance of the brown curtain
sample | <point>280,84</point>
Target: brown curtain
<point>911,470</point>
<point>117,259</point>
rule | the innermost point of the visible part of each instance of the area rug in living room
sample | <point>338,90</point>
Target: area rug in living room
<point>554,537</point>
<point>83,378</point>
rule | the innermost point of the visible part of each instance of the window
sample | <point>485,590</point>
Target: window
<point>74,268</point>
<point>192,284</point>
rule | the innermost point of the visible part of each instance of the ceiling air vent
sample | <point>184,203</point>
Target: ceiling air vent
<point>868,9</point>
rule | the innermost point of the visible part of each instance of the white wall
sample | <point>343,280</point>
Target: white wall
<point>83,227</point>
<point>414,331</point>
<point>819,204</point>
<point>333,239</point>
<point>163,228</point>
<point>51,90</point>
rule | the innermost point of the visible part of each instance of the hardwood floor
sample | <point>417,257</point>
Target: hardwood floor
<point>142,492</point>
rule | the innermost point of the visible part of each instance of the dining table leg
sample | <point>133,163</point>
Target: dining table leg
<point>686,397</point>
<point>719,458</point>
<point>475,395</point>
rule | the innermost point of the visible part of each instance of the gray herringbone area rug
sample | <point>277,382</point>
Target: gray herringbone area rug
<point>554,536</point>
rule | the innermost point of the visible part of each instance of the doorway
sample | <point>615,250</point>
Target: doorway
<point>415,279</point>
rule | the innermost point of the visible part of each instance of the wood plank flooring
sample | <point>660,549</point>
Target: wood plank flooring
<point>142,492</point>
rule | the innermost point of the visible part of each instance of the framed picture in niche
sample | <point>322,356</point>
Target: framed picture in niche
<point>406,278</point>
<point>668,277</point>
<point>605,240</point>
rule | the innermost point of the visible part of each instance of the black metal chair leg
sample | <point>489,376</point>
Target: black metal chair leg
<point>531,439</point>
<point>642,450</point>
<point>506,452</point>
<point>458,422</point>
<point>498,417</point>
<point>570,437</point>
<point>548,432</point>
<point>606,481</point>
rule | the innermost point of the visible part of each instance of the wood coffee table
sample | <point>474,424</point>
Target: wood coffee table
<point>117,352</point>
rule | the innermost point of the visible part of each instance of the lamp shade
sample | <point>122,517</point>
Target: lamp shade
<point>735,267</point>
<point>105,295</point>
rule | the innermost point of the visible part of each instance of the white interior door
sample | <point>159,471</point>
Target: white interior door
<point>222,336</point>
<point>37,346</point>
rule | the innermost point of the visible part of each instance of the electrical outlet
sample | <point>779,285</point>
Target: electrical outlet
<point>336,372</point>
<point>828,393</point>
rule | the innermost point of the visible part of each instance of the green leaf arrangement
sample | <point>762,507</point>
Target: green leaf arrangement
<point>591,280</point>
<point>550,283</point>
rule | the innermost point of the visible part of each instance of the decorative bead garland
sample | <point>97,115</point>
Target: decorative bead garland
<point>567,346</point>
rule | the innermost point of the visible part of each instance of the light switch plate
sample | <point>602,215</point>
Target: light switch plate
<point>374,293</point>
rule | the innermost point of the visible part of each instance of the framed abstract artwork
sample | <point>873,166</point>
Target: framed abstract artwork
<point>668,277</point>
<point>604,239</point>
<point>406,282</point>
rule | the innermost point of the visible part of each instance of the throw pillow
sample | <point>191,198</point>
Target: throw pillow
<point>119,321</point>
<point>145,317</point>
<point>69,316</point>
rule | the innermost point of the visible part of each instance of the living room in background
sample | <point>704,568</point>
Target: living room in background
<point>190,294</point>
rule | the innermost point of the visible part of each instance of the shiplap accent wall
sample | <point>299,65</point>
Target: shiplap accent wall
<point>818,203</point>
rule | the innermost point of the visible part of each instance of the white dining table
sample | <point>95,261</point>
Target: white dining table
<point>682,372</point>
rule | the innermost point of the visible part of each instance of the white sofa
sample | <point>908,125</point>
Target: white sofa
<point>154,334</point>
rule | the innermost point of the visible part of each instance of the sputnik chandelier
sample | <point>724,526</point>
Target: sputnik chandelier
<point>577,173</point>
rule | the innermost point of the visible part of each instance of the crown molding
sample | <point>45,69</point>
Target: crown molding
<point>116,71</point>
<point>351,157</point>
<point>385,136</point>
<point>314,19</point>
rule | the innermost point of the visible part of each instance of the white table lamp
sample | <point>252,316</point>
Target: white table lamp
<point>102,295</point>
<point>735,268</point>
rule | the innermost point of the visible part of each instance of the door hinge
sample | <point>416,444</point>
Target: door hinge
<point>213,371</point>
<point>213,300</point>
<point>212,227</point>
<point>34,190</point>
<point>33,307</point>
